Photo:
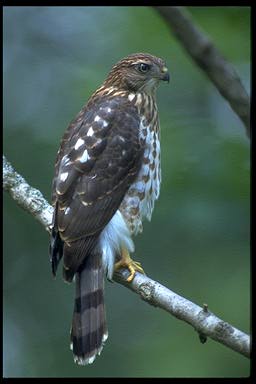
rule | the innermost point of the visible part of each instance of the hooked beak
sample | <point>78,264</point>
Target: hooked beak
<point>165,74</point>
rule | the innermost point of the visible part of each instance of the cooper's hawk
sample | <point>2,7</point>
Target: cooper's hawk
<point>107,177</point>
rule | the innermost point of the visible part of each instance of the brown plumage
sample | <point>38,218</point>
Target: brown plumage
<point>107,176</point>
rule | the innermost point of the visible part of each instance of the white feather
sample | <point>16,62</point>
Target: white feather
<point>85,156</point>
<point>79,143</point>
<point>90,132</point>
<point>63,176</point>
<point>113,237</point>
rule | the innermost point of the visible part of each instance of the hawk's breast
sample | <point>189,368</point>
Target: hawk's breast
<point>138,202</point>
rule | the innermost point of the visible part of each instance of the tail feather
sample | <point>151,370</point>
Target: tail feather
<point>89,328</point>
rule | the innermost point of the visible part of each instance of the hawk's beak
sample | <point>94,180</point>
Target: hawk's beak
<point>165,74</point>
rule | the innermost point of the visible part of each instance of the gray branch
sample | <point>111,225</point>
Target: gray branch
<point>208,58</point>
<point>201,319</point>
<point>27,197</point>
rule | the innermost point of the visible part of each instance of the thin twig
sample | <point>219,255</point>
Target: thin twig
<point>207,57</point>
<point>201,319</point>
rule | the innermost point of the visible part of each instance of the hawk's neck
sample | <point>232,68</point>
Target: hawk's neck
<point>115,91</point>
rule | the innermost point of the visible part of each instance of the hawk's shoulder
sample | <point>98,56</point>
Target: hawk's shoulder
<point>101,118</point>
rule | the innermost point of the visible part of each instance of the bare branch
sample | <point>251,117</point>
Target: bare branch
<point>26,196</point>
<point>208,58</point>
<point>203,321</point>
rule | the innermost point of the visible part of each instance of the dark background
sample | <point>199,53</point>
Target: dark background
<point>198,241</point>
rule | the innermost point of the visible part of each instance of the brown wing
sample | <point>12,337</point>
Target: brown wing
<point>98,161</point>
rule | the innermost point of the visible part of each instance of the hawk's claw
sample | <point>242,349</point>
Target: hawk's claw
<point>127,262</point>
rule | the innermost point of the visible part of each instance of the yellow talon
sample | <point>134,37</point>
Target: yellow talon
<point>127,262</point>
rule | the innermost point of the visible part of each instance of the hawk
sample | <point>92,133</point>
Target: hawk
<point>107,178</point>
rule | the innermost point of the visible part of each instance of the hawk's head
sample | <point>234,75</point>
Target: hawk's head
<point>138,72</point>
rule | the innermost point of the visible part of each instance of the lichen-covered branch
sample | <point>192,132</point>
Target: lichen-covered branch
<point>26,196</point>
<point>201,319</point>
<point>207,57</point>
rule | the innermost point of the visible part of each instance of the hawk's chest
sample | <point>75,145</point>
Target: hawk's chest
<point>139,199</point>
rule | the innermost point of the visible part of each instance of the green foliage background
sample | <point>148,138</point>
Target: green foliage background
<point>198,241</point>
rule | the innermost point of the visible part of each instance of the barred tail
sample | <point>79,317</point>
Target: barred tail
<point>89,327</point>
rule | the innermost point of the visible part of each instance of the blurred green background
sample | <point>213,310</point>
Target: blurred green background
<point>198,241</point>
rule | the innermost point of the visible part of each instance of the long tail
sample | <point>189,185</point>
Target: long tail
<point>89,327</point>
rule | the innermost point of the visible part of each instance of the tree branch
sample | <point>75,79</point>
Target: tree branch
<point>204,322</point>
<point>208,58</point>
<point>27,197</point>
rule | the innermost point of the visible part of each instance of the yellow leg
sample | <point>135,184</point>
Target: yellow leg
<point>127,262</point>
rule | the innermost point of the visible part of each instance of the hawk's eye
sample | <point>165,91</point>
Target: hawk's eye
<point>143,67</point>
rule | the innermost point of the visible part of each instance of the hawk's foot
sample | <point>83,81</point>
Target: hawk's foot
<point>127,262</point>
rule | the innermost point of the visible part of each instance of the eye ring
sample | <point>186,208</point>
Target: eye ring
<point>143,67</point>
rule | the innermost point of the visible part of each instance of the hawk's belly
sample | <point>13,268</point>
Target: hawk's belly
<point>139,200</point>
